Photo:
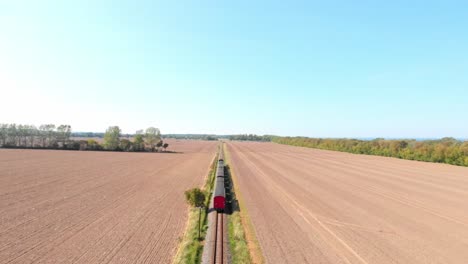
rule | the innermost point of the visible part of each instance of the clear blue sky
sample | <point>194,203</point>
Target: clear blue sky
<point>328,68</point>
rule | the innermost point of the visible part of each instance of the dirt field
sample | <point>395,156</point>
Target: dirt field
<point>315,206</point>
<point>96,207</point>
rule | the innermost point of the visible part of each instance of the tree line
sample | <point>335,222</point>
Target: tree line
<point>147,140</point>
<point>50,136</point>
<point>250,137</point>
<point>193,136</point>
<point>241,137</point>
<point>29,136</point>
<point>96,135</point>
<point>446,150</point>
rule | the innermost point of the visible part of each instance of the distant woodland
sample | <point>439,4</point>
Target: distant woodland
<point>50,136</point>
<point>250,137</point>
<point>193,136</point>
<point>445,150</point>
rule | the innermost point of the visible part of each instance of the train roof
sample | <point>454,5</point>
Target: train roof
<point>219,187</point>
<point>220,171</point>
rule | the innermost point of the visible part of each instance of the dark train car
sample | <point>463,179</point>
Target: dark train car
<point>221,156</point>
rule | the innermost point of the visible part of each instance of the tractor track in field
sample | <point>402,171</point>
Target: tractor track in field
<point>316,206</point>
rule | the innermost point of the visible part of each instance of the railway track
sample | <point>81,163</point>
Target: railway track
<point>218,245</point>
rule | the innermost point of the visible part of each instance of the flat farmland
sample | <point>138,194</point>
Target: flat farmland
<point>317,206</point>
<point>97,207</point>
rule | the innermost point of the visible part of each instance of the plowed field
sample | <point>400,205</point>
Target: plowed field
<point>316,206</point>
<point>97,207</point>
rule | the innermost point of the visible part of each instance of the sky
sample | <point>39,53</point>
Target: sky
<point>291,68</point>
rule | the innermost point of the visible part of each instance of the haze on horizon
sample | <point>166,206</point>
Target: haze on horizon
<point>337,69</point>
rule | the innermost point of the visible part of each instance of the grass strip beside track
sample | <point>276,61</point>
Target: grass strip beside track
<point>243,244</point>
<point>190,248</point>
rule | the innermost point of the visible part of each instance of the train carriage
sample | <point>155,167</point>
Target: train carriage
<point>219,198</point>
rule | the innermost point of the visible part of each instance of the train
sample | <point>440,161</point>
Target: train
<point>219,197</point>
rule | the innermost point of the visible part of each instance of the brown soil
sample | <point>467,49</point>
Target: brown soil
<point>96,207</point>
<point>316,206</point>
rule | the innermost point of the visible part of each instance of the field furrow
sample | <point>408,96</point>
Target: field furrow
<point>316,206</point>
<point>97,207</point>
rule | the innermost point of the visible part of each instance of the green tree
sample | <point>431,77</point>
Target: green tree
<point>47,135</point>
<point>3,134</point>
<point>43,135</point>
<point>31,134</point>
<point>446,150</point>
<point>138,142</point>
<point>63,133</point>
<point>12,135</point>
<point>92,144</point>
<point>50,130</point>
<point>152,137</point>
<point>159,144</point>
<point>22,135</point>
<point>125,145</point>
<point>196,198</point>
<point>112,138</point>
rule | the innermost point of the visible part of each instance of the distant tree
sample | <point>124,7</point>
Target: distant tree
<point>92,144</point>
<point>125,144</point>
<point>47,135</point>
<point>21,133</point>
<point>12,135</point>
<point>446,150</point>
<point>250,137</point>
<point>32,132</point>
<point>27,135</point>
<point>112,138</point>
<point>43,135</point>
<point>74,145</point>
<point>152,137</point>
<point>50,130</point>
<point>196,198</point>
<point>3,134</point>
<point>63,133</point>
<point>165,146</point>
<point>88,134</point>
<point>159,144</point>
<point>138,142</point>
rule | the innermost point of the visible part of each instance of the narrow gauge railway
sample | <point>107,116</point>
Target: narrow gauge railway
<point>218,245</point>
<point>219,205</point>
